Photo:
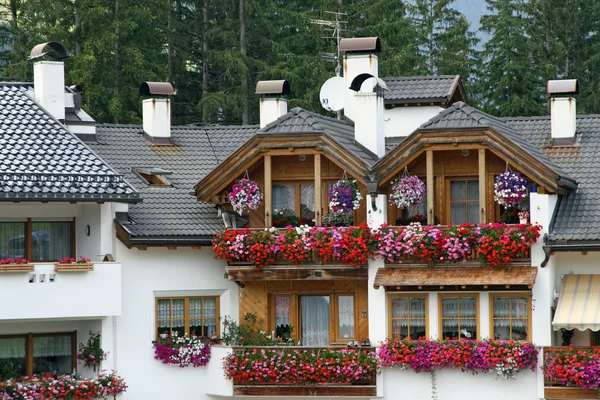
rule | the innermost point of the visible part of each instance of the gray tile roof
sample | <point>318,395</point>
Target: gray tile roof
<point>171,210</point>
<point>41,160</point>
<point>298,120</point>
<point>415,89</point>
<point>578,216</point>
<point>463,116</point>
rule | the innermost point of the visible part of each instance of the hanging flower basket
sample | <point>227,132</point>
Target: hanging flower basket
<point>408,190</point>
<point>344,195</point>
<point>245,195</point>
<point>509,188</point>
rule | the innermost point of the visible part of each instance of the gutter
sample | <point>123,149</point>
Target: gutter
<point>163,241</point>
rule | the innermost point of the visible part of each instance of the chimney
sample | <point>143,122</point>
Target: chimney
<point>272,105</point>
<point>156,111</point>
<point>563,110</point>
<point>368,121</point>
<point>49,77</point>
<point>360,58</point>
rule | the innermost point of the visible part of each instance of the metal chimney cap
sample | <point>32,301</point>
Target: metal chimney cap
<point>156,89</point>
<point>57,52</point>
<point>563,86</point>
<point>361,78</point>
<point>281,87</point>
<point>361,45</point>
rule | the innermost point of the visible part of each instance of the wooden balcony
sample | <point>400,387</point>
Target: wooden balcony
<point>307,384</point>
<point>556,391</point>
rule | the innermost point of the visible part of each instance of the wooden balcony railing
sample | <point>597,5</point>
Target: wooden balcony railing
<point>302,371</point>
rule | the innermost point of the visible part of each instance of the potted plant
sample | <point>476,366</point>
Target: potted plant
<point>15,265</point>
<point>245,195</point>
<point>407,190</point>
<point>509,188</point>
<point>523,217</point>
<point>70,264</point>
<point>344,195</point>
<point>91,354</point>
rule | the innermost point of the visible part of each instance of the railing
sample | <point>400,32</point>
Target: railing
<point>302,371</point>
<point>576,377</point>
<point>46,290</point>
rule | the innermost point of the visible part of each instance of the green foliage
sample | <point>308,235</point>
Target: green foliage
<point>250,332</point>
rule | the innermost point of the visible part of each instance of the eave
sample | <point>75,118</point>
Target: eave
<point>69,197</point>
<point>143,242</point>
<point>458,139</point>
<point>278,144</point>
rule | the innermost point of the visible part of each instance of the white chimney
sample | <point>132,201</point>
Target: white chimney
<point>272,108</point>
<point>359,59</point>
<point>563,109</point>
<point>368,121</point>
<point>49,77</point>
<point>156,112</point>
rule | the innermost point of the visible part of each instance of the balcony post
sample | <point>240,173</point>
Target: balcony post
<point>430,203</point>
<point>482,187</point>
<point>268,193</point>
<point>318,191</point>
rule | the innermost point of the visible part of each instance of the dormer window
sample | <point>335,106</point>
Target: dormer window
<point>153,176</point>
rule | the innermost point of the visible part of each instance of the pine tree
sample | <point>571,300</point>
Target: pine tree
<point>508,80</point>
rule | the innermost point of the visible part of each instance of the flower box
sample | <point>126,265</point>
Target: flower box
<point>16,268</point>
<point>74,267</point>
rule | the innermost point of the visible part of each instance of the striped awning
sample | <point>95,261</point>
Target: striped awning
<point>579,303</point>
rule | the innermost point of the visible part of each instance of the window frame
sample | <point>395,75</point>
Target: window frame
<point>28,224</point>
<point>459,295</point>
<point>392,296</point>
<point>466,201</point>
<point>29,347</point>
<point>296,313</point>
<point>186,312</point>
<point>527,295</point>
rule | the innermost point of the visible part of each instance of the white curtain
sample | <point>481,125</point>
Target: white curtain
<point>51,240</point>
<point>284,198</point>
<point>282,310</point>
<point>49,346</point>
<point>164,313</point>
<point>12,348</point>
<point>12,239</point>
<point>511,313</point>
<point>346,316</point>
<point>468,311</point>
<point>315,320</point>
<point>406,309</point>
<point>307,200</point>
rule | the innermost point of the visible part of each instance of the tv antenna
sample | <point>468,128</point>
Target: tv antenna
<point>335,28</point>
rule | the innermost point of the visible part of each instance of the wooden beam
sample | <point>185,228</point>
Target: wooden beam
<point>172,247</point>
<point>196,247</point>
<point>482,187</point>
<point>557,392</point>
<point>430,189</point>
<point>245,274</point>
<point>268,192</point>
<point>142,248</point>
<point>318,190</point>
<point>306,391</point>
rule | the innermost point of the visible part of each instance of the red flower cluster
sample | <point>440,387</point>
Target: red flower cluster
<point>291,248</point>
<point>573,367</point>
<point>499,244</point>
<point>290,366</point>
<point>506,357</point>
<point>11,261</point>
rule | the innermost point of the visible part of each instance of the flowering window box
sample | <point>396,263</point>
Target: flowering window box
<point>73,267</point>
<point>16,268</point>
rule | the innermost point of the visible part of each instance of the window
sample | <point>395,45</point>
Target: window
<point>407,316</point>
<point>153,176</point>
<point>314,319</point>
<point>464,201</point>
<point>192,315</point>
<point>510,316</point>
<point>37,354</point>
<point>37,240</point>
<point>458,316</point>
<point>295,199</point>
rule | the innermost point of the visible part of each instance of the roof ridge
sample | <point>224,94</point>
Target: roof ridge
<point>420,77</point>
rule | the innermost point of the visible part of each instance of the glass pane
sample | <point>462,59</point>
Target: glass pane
<point>178,327</point>
<point>400,308</point>
<point>449,331</point>
<point>501,307</point>
<point>307,202</point>
<point>520,307</point>
<point>178,315</point>
<point>210,328</point>
<point>458,190</point>
<point>284,199</point>
<point>282,316</point>
<point>502,329</point>
<point>399,328</point>
<point>473,190</point>
<point>520,329</point>
<point>473,212</point>
<point>315,320</point>
<point>195,308</point>
<point>50,240</point>
<point>468,307</point>
<point>12,240</point>
<point>12,358</point>
<point>196,327</point>
<point>210,308</point>
<point>458,213</point>
<point>346,317</point>
<point>417,329</point>
<point>417,308</point>
<point>52,354</point>
<point>450,307</point>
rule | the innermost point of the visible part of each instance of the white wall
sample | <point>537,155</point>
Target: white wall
<point>402,121</point>
<point>72,294</point>
<point>457,385</point>
<point>160,271</point>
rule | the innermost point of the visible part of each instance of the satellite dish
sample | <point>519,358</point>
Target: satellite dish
<point>332,94</point>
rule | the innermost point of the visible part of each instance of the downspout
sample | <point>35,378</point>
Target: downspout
<point>548,248</point>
